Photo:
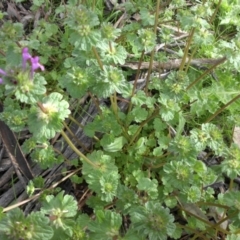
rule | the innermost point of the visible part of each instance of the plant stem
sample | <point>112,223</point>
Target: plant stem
<point>142,125</point>
<point>80,125</point>
<point>41,107</point>
<point>206,72</point>
<point>135,81</point>
<point>211,225</point>
<point>153,51</point>
<point>75,121</point>
<point>76,150</point>
<point>97,57</point>
<point>215,12</point>
<point>186,50</point>
<point>113,99</point>
<point>96,102</point>
<point>39,194</point>
<point>74,136</point>
<point>221,109</point>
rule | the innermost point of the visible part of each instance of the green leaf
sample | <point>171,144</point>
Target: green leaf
<point>158,151</point>
<point>60,209</point>
<point>104,124</point>
<point>232,200</point>
<point>233,237</point>
<point>61,205</point>
<point>140,98</point>
<point>194,194</point>
<point>231,165</point>
<point>34,226</point>
<point>111,80</point>
<point>29,91</point>
<point>126,198</point>
<point>159,125</point>
<point>108,186</point>
<point>13,58</point>
<point>178,175</point>
<point>106,226</point>
<point>45,156</point>
<point>116,145</point>
<point>111,53</point>
<point>153,221</point>
<point>42,230</point>
<point>104,179</point>
<point>78,81</point>
<point>132,235</point>
<point>150,186</point>
<point>79,229</point>
<point>139,114</point>
<point>146,17</point>
<point>44,122</point>
<point>13,115</point>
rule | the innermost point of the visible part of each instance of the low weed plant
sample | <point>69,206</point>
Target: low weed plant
<point>155,162</point>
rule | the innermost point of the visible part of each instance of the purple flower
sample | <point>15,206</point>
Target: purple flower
<point>3,72</point>
<point>35,65</point>
<point>25,57</point>
<point>33,60</point>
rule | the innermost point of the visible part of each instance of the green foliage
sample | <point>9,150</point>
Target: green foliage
<point>150,171</point>
<point>153,221</point>
<point>46,120</point>
<point>60,210</point>
<point>106,226</point>
<point>15,225</point>
<point>104,179</point>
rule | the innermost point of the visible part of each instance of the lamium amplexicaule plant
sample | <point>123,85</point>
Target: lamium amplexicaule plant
<point>162,145</point>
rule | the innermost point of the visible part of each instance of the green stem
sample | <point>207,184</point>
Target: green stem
<point>75,121</point>
<point>142,125</point>
<point>96,102</point>
<point>212,204</point>
<point>186,50</point>
<point>192,230</point>
<point>40,105</point>
<point>114,105</point>
<point>215,12</point>
<point>231,185</point>
<point>113,99</point>
<point>74,137</point>
<point>135,81</point>
<point>97,57</point>
<point>153,51</point>
<point>215,226</point>
<point>76,150</point>
<point>190,58</point>
<point>221,109</point>
<point>80,125</point>
<point>211,225</point>
<point>206,72</point>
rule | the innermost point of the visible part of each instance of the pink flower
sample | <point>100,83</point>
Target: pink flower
<point>33,60</point>
<point>35,65</point>
<point>25,57</point>
<point>2,73</point>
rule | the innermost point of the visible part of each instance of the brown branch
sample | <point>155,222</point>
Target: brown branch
<point>174,64</point>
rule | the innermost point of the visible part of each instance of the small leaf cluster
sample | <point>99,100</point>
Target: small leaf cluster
<point>150,173</point>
